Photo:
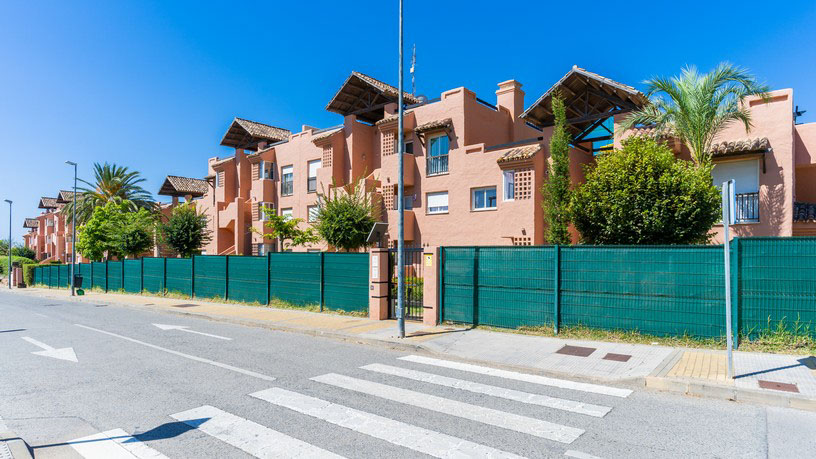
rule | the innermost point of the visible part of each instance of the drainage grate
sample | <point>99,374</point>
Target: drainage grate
<point>5,452</point>
<point>184,305</point>
<point>617,357</point>
<point>576,351</point>
<point>773,385</point>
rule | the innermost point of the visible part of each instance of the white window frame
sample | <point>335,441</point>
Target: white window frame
<point>512,175</point>
<point>428,200</point>
<point>261,214</point>
<point>309,177</point>
<point>287,212</point>
<point>288,170</point>
<point>263,171</point>
<point>473,192</point>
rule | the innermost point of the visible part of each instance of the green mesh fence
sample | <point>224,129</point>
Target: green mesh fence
<point>65,276</point>
<point>247,279</point>
<point>99,275</point>
<point>132,277</point>
<point>514,287</point>
<point>153,275</point>
<point>115,276</point>
<point>210,276</point>
<point>654,290</point>
<point>345,281</point>
<point>777,279</point>
<point>53,276</point>
<point>179,276</point>
<point>295,277</point>
<point>38,276</point>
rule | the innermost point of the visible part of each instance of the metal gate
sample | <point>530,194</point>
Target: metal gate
<point>413,283</point>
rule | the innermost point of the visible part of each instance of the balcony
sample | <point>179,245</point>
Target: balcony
<point>747,208</point>
<point>437,165</point>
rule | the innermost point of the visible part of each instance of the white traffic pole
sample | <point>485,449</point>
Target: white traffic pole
<point>727,216</point>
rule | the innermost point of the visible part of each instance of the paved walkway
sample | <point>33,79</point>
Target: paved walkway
<point>783,380</point>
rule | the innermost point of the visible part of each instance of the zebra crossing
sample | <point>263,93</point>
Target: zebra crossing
<point>264,441</point>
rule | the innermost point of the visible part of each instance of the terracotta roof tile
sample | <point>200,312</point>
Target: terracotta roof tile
<point>740,146</point>
<point>804,212</point>
<point>31,223</point>
<point>434,125</point>
<point>48,203</point>
<point>175,185</point>
<point>262,130</point>
<point>326,134</point>
<point>519,153</point>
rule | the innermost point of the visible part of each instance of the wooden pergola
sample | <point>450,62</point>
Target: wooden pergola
<point>590,100</point>
<point>246,134</point>
<point>366,98</point>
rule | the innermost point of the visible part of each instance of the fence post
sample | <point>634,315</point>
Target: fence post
<point>556,287</point>
<point>226,278</point>
<point>476,287</point>
<point>321,281</point>
<point>91,285</point>
<point>192,275</point>
<point>141,278</point>
<point>440,272</point>
<point>735,290</point>
<point>164,277</point>
<point>268,280</point>
<point>106,275</point>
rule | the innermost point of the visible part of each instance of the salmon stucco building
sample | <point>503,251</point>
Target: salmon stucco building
<point>474,168</point>
<point>49,234</point>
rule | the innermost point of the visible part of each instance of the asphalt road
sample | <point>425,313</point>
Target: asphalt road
<point>224,390</point>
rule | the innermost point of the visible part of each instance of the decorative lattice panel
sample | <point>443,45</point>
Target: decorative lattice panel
<point>256,211</point>
<point>523,184</point>
<point>256,171</point>
<point>221,178</point>
<point>388,197</point>
<point>522,240</point>
<point>388,142</point>
<point>327,156</point>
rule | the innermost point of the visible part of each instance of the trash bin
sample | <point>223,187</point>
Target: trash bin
<point>77,281</point>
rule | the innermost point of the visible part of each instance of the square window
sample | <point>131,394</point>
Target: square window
<point>483,198</point>
<point>287,213</point>
<point>312,212</point>
<point>437,203</point>
<point>267,170</point>
<point>409,147</point>
<point>287,181</point>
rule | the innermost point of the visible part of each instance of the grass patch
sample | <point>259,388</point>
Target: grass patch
<point>780,339</point>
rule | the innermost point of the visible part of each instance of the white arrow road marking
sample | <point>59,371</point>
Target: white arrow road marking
<point>185,328</point>
<point>66,353</point>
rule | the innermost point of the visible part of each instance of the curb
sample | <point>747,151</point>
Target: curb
<point>16,446</point>
<point>707,390</point>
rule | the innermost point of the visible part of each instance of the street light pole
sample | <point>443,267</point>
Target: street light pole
<point>9,246</point>
<point>73,226</point>
<point>401,199</point>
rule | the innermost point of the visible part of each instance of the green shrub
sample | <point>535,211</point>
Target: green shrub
<point>14,259</point>
<point>642,194</point>
<point>28,273</point>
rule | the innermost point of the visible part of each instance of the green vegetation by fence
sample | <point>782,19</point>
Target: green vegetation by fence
<point>335,280</point>
<point>662,291</point>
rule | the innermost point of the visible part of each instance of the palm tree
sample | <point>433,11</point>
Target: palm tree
<point>694,108</point>
<point>112,183</point>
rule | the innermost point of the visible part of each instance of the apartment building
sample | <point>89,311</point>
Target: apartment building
<point>50,235</point>
<point>474,168</point>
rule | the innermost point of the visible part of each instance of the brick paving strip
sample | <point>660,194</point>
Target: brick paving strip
<point>771,379</point>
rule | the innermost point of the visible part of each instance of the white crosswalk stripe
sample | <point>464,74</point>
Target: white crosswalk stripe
<point>579,455</point>
<point>494,391</point>
<point>113,444</point>
<point>523,424</point>
<point>249,436</point>
<point>399,433</point>
<point>535,379</point>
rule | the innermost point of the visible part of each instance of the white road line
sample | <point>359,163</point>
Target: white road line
<point>248,436</point>
<point>494,391</point>
<point>113,444</point>
<point>535,379</point>
<point>185,328</point>
<point>181,354</point>
<point>399,433</point>
<point>523,424</point>
<point>579,455</point>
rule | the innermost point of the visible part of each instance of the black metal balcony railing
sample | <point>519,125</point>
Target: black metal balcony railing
<point>287,188</point>
<point>437,165</point>
<point>747,207</point>
<point>311,184</point>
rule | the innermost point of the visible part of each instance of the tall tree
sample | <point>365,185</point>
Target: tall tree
<point>115,231</point>
<point>186,230</point>
<point>556,190</point>
<point>694,107</point>
<point>346,215</point>
<point>111,183</point>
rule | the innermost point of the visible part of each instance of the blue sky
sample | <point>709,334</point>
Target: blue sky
<point>153,85</point>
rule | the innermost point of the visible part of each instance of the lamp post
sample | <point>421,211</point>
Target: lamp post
<point>401,199</point>
<point>9,246</point>
<point>73,226</point>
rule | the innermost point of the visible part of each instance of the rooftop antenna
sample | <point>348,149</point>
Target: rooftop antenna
<point>413,67</point>
<point>796,112</point>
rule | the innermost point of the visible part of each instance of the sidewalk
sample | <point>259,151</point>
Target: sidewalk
<point>772,379</point>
